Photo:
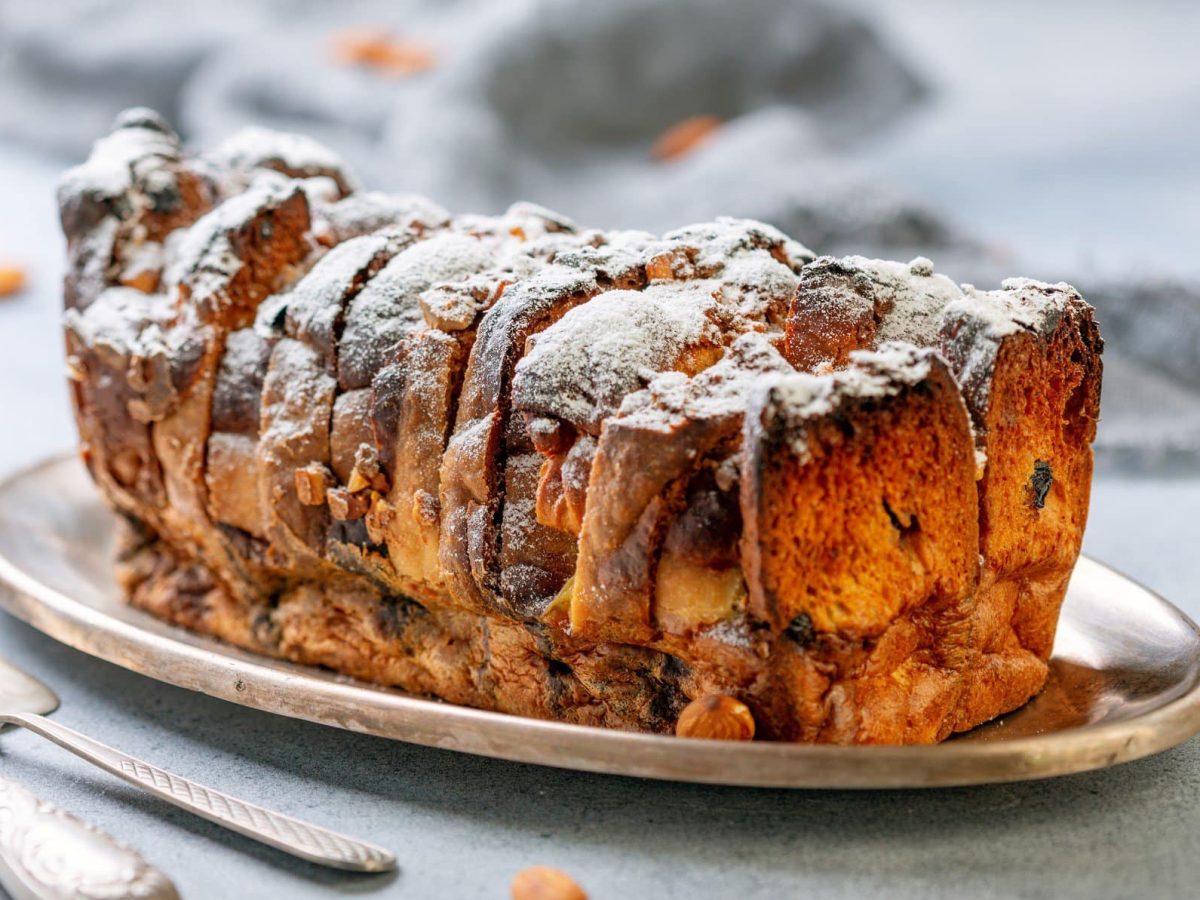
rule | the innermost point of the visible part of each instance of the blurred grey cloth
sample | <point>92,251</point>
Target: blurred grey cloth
<point>560,102</point>
<point>555,101</point>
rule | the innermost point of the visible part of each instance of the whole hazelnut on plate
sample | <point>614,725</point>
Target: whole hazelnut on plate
<point>718,717</point>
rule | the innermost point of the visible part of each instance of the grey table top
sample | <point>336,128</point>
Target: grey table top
<point>462,826</point>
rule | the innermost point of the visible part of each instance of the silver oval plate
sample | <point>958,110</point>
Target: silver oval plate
<point>1124,682</point>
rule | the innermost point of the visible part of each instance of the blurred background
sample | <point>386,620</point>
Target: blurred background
<point>1059,141</point>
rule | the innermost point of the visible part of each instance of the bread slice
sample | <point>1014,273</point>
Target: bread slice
<point>861,541</point>
<point>1027,359</point>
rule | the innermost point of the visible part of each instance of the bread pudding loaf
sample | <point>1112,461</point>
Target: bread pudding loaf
<point>574,474</point>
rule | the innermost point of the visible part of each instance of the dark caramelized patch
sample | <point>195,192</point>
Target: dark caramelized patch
<point>706,532</point>
<point>1040,483</point>
<point>393,614</point>
<point>801,630</point>
<point>244,543</point>
<point>387,402</point>
<point>238,392</point>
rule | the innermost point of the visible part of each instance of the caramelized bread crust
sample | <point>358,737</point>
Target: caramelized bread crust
<point>582,475</point>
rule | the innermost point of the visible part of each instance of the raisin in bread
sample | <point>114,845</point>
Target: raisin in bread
<point>573,474</point>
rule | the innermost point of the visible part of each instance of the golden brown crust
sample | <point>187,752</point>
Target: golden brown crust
<point>856,518</point>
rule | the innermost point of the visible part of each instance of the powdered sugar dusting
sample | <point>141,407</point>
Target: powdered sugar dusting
<point>708,283</point>
<point>793,402</point>
<point>719,391</point>
<point>904,299</point>
<point>109,170</point>
<point>292,154</point>
<point>582,367</point>
<point>388,307</point>
<point>759,286</point>
<point>131,172</point>
<point>726,237</point>
<point>112,326</point>
<point>972,328</point>
<point>369,211</point>
<point>916,295</point>
<point>316,300</point>
<point>205,259</point>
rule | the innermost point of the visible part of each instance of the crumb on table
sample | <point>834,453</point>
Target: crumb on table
<point>684,137</point>
<point>382,52</point>
<point>12,280</point>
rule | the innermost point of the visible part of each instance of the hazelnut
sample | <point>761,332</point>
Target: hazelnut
<point>12,280</point>
<point>544,883</point>
<point>718,717</point>
<point>385,54</point>
<point>144,280</point>
<point>379,519</point>
<point>367,472</point>
<point>426,509</point>
<point>311,484</point>
<point>345,506</point>
<point>661,267</point>
<point>358,481</point>
<point>684,137</point>
<point>671,265</point>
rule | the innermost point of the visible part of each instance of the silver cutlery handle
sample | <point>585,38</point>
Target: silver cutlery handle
<point>48,854</point>
<point>293,836</point>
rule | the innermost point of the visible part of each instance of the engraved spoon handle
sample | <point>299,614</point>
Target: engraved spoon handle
<point>48,854</point>
<point>310,842</point>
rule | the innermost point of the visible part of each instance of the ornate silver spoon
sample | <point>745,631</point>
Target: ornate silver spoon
<point>24,701</point>
<point>48,854</point>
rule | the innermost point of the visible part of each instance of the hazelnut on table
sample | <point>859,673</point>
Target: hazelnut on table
<point>545,883</point>
<point>12,280</point>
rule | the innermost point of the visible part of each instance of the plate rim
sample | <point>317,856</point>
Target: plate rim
<point>264,683</point>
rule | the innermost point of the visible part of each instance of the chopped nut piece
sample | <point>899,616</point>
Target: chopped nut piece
<point>311,484</point>
<point>12,280</point>
<point>426,509</point>
<point>449,307</point>
<point>144,280</point>
<point>549,436</point>
<point>358,481</point>
<point>75,369</point>
<point>659,268</point>
<point>345,506</point>
<point>380,51</point>
<point>544,883</point>
<point>718,717</point>
<point>366,459</point>
<point>379,519</point>
<point>683,138</point>
<point>367,473</point>
<point>670,266</point>
<point>689,596</point>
